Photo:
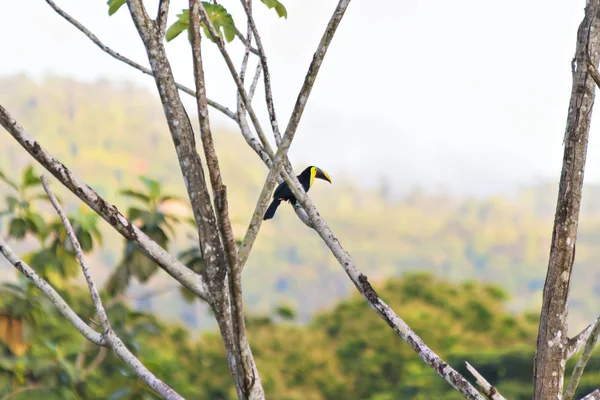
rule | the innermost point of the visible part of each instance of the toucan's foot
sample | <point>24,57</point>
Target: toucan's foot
<point>297,205</point>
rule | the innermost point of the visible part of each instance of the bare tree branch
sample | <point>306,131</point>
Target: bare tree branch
<point>255,81</point>
<point>96,362</point>
<point>578,370</point>
<point>266,74</point>
<point>161,18</point>
<point>251,381</point>
<point>111,337</point>
<point>261,208</point>
<point>575,344</point>
<point>108,212</point>
<point>240,85</point>
<point>245,41</point>
<point>79,254</point>
<point>52,295</point>
<point>360,280</point>
<point>484,386</point>
<point>552,342</point>
<point>595,395</point>
<point>129,62</point>
<point>185,143</point>
<point>281,158</point>
<point>212,248</point>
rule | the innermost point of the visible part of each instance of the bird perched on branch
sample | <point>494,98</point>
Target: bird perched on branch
<point>283,192</point>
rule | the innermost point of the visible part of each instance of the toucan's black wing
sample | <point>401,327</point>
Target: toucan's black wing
<point>282,192</point>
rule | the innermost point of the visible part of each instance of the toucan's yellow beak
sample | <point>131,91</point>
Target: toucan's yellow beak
<point>323,175</point>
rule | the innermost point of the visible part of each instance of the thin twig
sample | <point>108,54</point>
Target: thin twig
<point>266,74</point>
<point>576,343</point>
<point>255,81</point>
<point>96,362</point>
<point>245,42</point>
<point>52,295</point>
<point>128,61</point>
<point>240,85</point>
<point>359,279</point>
<point>108,212</point>
<point>259,212</point>
<point>578,370</point>
<point>484,386</point>
<point>113,340</point>
<point>161,18</point>
<point>281,156</point>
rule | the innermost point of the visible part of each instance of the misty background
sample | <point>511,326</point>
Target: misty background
<point>468,97</point>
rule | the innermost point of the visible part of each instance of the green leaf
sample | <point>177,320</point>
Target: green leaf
<point>118,280</point>
<point>29,178</point>
<point>85,240</point>
<point>17,228</point>
<point>152,185</point>
<point>175,29</point>
<point>35,222</point>
<point>217,14</point>
<point>12,203</point>
<point>279,8</point>
<point>135,195</point>
<point>221,20</point>
<point>114,5</point>
<point>134,213</point>
<point>286,313</point>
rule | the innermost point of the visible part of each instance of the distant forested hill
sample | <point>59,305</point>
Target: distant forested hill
<point>110,133</point>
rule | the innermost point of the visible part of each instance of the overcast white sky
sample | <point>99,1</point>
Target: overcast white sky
<point>467,94</point>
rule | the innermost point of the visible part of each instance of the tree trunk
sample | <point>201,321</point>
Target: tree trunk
<point>550,359</point>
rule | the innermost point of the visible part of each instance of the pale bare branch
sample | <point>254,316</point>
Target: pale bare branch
<point>266,73</point>
<point>114,342</point>
<point>108,212</point>
<point>128,61</point>
<point>484,386</point>
<point>96,362</point>
<point>161,18</point>
<point>251,381</point>
<point>259,212</point>
<point>52,295</point>
<point>240,85</point>
<point>255,81</point>
<point>590,344</point>
<point>245,42</point>
<point>575,344</point>
<point>281,157</point>
<point>552,340</point>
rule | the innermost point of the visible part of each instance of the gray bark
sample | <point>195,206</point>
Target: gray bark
<point>552,343</point>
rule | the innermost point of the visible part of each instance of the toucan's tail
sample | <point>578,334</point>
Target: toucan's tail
<point>272,208</point>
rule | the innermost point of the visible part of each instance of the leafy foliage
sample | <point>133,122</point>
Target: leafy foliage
<point>217,14</point>
<point>24,218</point>
<point>276,4</point>
<point>154,219</point>
<point>114,5</point>
<point>346,352</point>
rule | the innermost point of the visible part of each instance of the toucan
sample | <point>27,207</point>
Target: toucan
<point>283,192</point>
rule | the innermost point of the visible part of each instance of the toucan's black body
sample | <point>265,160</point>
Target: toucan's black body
<point>283,192</point>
